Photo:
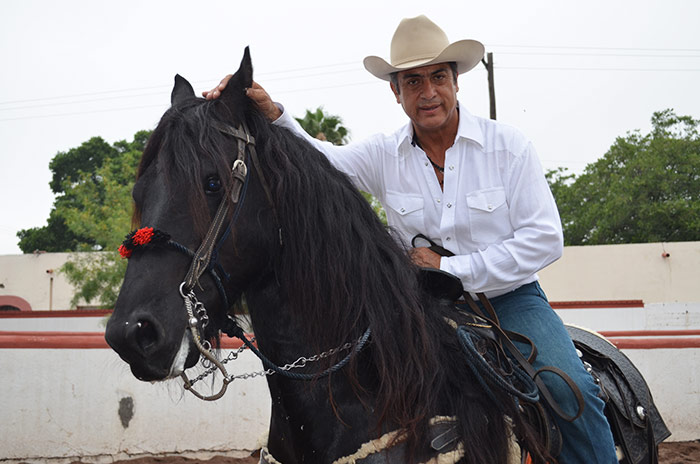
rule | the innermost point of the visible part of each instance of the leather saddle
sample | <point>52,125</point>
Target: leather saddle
<point>637,426</point>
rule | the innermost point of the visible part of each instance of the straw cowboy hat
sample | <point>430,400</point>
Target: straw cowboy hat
<point>420,42</point>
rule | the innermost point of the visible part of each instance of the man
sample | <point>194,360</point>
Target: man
<point>475,187</point>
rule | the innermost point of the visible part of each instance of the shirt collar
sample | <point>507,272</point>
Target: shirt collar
<point>469,128</point>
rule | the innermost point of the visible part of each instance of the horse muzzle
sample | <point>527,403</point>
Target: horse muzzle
<point>142,342</point>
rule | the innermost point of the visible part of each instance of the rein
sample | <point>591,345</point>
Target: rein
<point>205,260</point>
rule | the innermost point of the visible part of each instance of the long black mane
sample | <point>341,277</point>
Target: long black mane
<point>341,272</point>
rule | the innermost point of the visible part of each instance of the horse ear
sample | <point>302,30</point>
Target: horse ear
<point>246,69</point>
<point>181,91</point>
<point>243,78</point>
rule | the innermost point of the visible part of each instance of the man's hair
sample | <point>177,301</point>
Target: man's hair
<point>395,76</point>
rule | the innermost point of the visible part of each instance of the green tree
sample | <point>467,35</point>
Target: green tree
<point>92,212</point>
<point>55,236</point>
<point>66,168</point>
<point>646,188</point>
<point>324,126</point>
<point>101,210</point>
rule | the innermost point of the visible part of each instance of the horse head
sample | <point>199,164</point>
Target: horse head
<point>184,178</point>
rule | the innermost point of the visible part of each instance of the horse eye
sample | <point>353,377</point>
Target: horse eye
<point>212,185</point>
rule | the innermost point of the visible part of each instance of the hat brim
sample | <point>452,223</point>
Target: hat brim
<point>466,53</point>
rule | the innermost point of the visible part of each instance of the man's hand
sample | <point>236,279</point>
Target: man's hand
<point>423,257</point>
<point>216,91</point>
<point>255,93</point>
<point>264,102</point>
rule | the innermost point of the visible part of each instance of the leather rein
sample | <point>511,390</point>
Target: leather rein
<point>505,342</point>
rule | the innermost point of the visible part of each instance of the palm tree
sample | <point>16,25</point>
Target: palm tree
<point>324,126</point>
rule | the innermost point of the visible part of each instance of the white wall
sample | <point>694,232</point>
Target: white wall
<point>71,400</point>
<point>602,272</point>
<point>64,404</point>
<point>654,316</point>
<point>674,381</point>
<point>54,324</point>
<point>26,276</point>
<point>626,272</point>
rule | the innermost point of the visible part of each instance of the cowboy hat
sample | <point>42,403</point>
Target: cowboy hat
<point>420,42</point>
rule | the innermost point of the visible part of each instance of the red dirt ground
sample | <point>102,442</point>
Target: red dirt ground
<point>686,452</point>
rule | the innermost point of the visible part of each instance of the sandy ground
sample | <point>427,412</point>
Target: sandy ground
<point>687,452</point>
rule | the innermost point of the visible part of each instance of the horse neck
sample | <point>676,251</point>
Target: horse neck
<point>303,421</point>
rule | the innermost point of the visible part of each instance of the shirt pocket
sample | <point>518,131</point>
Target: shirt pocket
<point>405,212</point>
<point>489,216</point>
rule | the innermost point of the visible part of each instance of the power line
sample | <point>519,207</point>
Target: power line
<point>77,113</point>
<point>308,71</point>
<point>618,55</point>
<point>161,105</point>
<point>168,86</point>
<point>547,68</point>
<point>77,102</point>
<point>564,47</point>
<point>88,94</point>
<point>355,64</point>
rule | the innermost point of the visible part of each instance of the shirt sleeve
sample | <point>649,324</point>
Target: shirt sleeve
<point>536,241</point>
<point>358,160</point>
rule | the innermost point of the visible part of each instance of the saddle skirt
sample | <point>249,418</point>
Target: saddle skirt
<point>637,426</point>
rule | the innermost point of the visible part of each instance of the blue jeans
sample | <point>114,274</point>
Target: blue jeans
<point>588,439</point>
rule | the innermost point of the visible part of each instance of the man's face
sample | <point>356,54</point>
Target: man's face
<point>428,95</point>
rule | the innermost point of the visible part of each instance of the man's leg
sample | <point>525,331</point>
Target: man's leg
<point>588,439</point>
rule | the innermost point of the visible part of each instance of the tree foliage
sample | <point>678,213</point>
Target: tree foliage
<point>324,126</point>
<point>66,168</point>
<point>646,188</point>
<point>92,212</point>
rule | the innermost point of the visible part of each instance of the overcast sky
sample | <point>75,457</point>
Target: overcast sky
<point>571,75</point>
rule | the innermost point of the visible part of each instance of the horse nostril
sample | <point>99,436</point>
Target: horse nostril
<point>146,335</point>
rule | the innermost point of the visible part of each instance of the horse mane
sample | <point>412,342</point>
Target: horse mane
<point>342,271</point>
<point>353,275</point>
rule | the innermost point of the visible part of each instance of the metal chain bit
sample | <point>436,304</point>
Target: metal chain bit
<point>192,306</point>
<point>196,313</point>
<point>299,363</point>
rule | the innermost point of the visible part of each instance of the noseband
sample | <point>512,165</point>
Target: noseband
<point>205,259</point>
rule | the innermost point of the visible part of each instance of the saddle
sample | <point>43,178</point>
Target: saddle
<point>636,424</point>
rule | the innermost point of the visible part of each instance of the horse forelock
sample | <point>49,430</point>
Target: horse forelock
<point>183,143</point>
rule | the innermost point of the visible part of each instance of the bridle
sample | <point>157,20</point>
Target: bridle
<point>205,259</point>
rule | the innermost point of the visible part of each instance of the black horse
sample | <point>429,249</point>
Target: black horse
<point>318,270</point>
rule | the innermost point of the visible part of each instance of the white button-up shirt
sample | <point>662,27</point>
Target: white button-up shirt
<point>496,212</point>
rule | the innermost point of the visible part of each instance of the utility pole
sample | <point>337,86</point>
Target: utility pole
<point>492,89</point>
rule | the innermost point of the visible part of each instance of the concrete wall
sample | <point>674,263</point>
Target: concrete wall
<point>62,404</point>
<point>36,278</point>
<point>72,398</point>
<point>624,272</point>
<point>604,272</point>
<point>85,403</point>
<point>673,376</point>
